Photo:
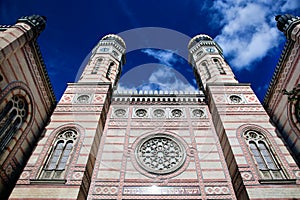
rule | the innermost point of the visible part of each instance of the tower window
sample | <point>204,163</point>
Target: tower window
<point>12,116</point>
<point>207,73</point>
<point>59,155</point>
<point>97,66</point>
<point>219,66</point>
<point>109,70</point>
<point>265,159</point>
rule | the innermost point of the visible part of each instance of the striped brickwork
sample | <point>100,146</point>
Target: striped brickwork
<point>23,74</point>
<point>117,175</point>
<point>231,121</point>
<point>82,108</point>
<point>279,107</point>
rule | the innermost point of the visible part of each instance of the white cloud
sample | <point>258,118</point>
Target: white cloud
<point>161,77</point>
<point>165,57</point>
<point>248,29</point>
<point>290,5</point>
<point>168,79</point>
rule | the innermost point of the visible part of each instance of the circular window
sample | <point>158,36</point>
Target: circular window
<point>120,112</point>
<point>176,113</point>
<point>160,154</point>
<point>83,98</point>
<point>141,112</point>
<point>235,99</point>
<point>198,113</point>
<point>159,113</point>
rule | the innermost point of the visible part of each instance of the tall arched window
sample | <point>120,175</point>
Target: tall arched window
<point>59,155</point>
<point>219,66</point>
<point>109,69</point>
<point>12,116</point>
<point>97,66</point>
<point>265,159</point>
<point>207,73</point>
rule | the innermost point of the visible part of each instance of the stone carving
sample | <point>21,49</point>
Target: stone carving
<point>217,190</point>
<point>160,154</point>
<point>253,135</point>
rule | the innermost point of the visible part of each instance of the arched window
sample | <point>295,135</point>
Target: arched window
<point>219,66</point>
<point>59,155</point>
<point>207,73</point>
<point>97,66</point>
<point>265,159</point>
<point>109,69</point>
<point>12,116</point>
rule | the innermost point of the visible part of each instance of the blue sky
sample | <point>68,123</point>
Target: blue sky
<point>245,29</point>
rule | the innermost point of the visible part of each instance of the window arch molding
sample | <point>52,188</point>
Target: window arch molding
<point>9,94</point>
<point>50,145</point>
<point>293,113</point>
<point>268,142</point>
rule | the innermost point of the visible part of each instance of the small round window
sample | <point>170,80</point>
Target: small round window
<point>235,99</point>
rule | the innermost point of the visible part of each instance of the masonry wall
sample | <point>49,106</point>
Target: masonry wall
<point>117,173</point>
<point>231,121</point>
<point>22,73</point>
<point>282,106</point>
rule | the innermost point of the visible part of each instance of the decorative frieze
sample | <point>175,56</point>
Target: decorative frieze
<point>212,190</point>
<point>158,190</point>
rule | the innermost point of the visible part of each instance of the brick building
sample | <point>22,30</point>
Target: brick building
<point>217,143</point>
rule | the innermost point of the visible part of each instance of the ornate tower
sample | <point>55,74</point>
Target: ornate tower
<point>62,163</point>
<point>26,97</point>
<point>255,156</point>
<point>207,60</point>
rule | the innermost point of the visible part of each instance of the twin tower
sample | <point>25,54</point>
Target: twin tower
<point>219,144</point>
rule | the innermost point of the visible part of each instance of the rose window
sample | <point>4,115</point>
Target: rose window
<point>160,154</point>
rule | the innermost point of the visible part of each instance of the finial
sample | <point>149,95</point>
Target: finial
<point>37,22</point>
<point>285,23</point>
